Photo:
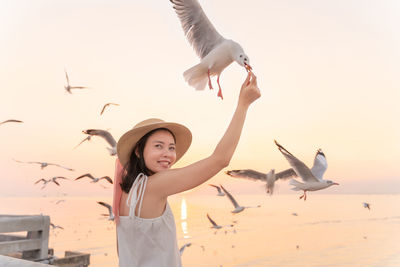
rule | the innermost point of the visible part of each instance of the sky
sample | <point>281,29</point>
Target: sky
<point>327,71</point>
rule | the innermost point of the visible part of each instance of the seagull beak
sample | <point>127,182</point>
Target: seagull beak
<point>248,67</point>
<point>335,184</point>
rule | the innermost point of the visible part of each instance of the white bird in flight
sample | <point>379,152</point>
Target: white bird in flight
<point>54,180</point>
<point>312,178</point>
<point>68,87</point>
<point>95,180</point>
<point>107,136</point>
<point>216,52</point>
<point>105,106</point>
<point>269,177</point>
<point>44,164</point>
<point>7,121</point>
<point>367,205</point>
<point>110,213</point>
<point>220,193</point>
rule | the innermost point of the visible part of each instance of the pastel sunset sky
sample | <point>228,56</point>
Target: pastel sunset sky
<point>328,72</point>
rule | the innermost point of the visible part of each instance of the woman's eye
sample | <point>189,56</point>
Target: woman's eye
<point>158,146</point>
<point>172,148</point>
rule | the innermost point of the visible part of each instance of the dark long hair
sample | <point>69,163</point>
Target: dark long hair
<point>136,163</point>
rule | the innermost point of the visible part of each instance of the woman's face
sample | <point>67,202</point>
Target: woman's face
<point>159,152</point>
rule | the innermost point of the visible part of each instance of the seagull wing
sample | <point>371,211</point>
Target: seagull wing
<point>86,138</point>
<point>107,206</point>
<point>40,181</point>
<point>248,174</point>
<point>320,164</point>
<point>107,178</point>
<point>104,107</point>
<point>217,187</point>
<point>286,174</point>
<point>66,76</point>
<point>230,197</point>
<point>298,166</point>
<point>211,220</point>
<point>201,34</point>
<point>10,121</point>
<point>102,133</point>
<point>54,164</point>
<point>85,175</point>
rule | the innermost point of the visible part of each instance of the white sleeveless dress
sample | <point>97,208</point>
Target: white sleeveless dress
<point>146,242</point>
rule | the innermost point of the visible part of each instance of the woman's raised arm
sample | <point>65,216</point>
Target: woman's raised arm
<point>174,181</point>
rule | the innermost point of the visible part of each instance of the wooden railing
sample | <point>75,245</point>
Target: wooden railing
<point>35,245</point>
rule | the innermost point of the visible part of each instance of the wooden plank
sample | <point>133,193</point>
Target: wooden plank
<point>13,262</point>
<point>22,223</point>
<point>19,245</point>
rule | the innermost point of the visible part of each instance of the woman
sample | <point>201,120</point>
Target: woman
<point>146,232</point>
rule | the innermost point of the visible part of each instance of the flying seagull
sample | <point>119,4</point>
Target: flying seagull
<point>269,177</point>
<point>216,52</point>
<point>95,180</point>
<point>183,248</point>
<point>53,180</point>
<point>106,105</point>
<point>220,193</point>
<point>10,121</point>
<point>312,178</point>
<point>68,87</point>
<point>107,136</point>
<point>108,206</point>
<point>44,164</point>
<point>238,208</point>
<point>215,225</point>
<point>53,226</point>
<point>367,205</point>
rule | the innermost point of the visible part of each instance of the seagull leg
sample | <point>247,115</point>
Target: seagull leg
<point>219,91</point>
<point>209,80</point>
<point>305,195</point>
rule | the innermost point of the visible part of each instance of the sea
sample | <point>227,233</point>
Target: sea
<point>277,230</point>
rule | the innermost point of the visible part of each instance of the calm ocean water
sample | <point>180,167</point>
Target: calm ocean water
<point>325,230</point>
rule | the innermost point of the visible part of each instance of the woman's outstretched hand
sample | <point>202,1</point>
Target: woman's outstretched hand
<point>249,91</point>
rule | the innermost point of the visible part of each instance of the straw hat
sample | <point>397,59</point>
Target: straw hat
<point>126,143</point>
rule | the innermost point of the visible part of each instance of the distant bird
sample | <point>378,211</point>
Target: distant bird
<point>53,226</point>
<point>215,225</point>
<point>183,248</point>
<point>238,208</point>
<point>44,164</point>
<point>312,178</point>
<point>269,177</point>
<point>106,105</point>
<point>95,180</point>
<point>294,214</point>
<point>220,193</point>
<point>7,121</point>
<point>107,136</point>
<point>60,201</point>
<point>110,213</point>
<point>366,205</point>
<point>87,138</point>
<point>68,87</point>
<point>53,180</point>
<point>216,52</point>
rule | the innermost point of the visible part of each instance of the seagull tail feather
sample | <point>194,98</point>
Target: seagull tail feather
<point>196,76</point>
<point>295,184</point>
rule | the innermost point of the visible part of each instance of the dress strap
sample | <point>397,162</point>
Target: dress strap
<point>136,193</point>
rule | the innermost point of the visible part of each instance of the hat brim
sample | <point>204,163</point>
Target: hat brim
<point>183,139</point>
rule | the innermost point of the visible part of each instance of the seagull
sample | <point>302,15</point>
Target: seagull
<point>366,205</point>
<point>95,180</point>
<point>183,248</point>
<point>53,226</point>
<point>216,52</point>
<point>54,180</point>
<point>220,193</point>
<point>110,213</point>
<point>215,225</point>
<point>312,178</point>
<point>9,121</point>
<point>269,177</point>
<point>44,164</point>
<point>238,208</point>
<point>107,136</point>
<point>68,87</point>
<point>106,105</point>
